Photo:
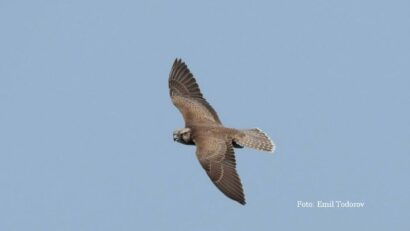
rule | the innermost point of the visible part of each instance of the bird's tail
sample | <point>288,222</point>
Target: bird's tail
<point>254,138</point>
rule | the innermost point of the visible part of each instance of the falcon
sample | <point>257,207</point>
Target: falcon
<point>214,142</point>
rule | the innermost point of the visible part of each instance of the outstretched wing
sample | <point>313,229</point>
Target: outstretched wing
<point>217,157</point>
<point>187,97</point>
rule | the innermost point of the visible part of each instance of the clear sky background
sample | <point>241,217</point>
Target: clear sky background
<point>86,121</point>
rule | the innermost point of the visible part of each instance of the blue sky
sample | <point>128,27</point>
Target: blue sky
<point>86,121</point>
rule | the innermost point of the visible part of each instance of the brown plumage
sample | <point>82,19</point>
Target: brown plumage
<point>203,128</point>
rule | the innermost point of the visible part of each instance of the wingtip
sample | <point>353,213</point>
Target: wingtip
<point>241,200</point>
<point>178,60</point>
<point>178,63</point>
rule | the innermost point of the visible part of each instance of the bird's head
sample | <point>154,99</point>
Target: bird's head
<point>183,136</point>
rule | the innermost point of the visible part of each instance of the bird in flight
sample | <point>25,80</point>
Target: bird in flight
<point>214,143</point>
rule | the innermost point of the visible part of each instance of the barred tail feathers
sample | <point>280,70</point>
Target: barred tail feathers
<point>255,138</point>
